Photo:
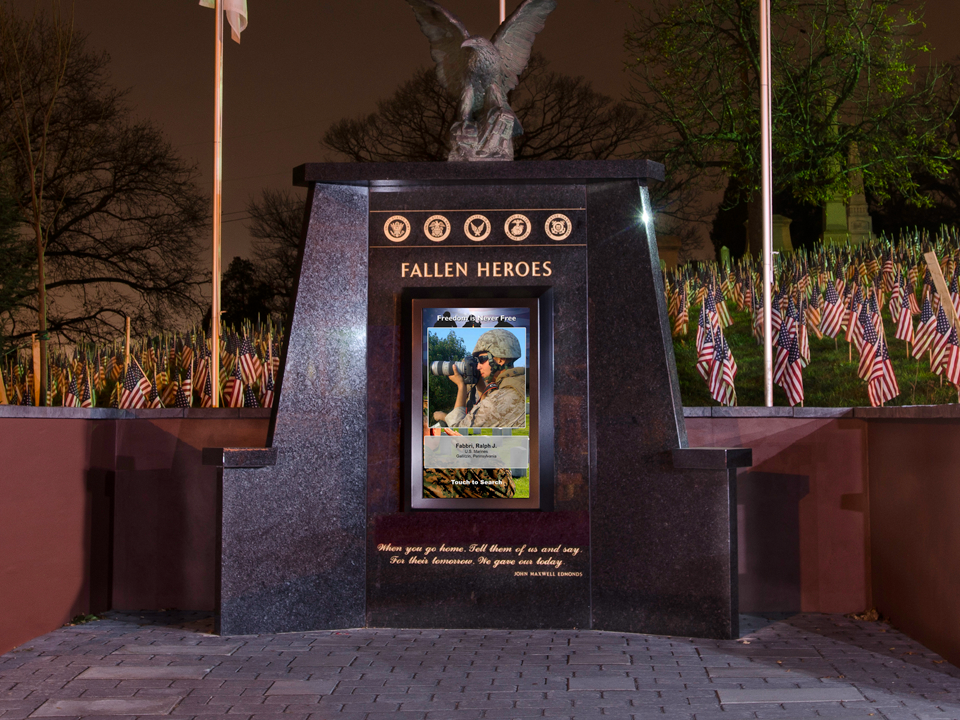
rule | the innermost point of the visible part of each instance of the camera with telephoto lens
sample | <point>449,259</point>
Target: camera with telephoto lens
<point>466,367</point>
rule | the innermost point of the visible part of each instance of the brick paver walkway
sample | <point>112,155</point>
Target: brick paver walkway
<point>805,666</point>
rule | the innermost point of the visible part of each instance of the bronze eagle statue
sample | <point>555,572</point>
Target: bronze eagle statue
<point>480,73</point>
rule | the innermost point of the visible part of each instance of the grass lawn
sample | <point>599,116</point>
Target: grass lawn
<point>830,380</point>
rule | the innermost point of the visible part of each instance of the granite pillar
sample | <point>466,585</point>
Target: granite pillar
<point>293,533</point>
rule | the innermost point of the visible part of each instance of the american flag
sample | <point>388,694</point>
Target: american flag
<point>86,398</point>
<point>184,396</point>
<point>896,299</point>
<point>723,373</point>
<point>851,316</point>
<point>250,397</point>
<point>923,336</point>
<point>206,394</point>
<point>795,313</point>
<point>721,304</point>
<point>868,343</point>
<point>233,390</point>
<point>832,315</point>
<point>710,308</point>
<point>186,353</point>
<point>249,362</point>
<point>953,358</point>
<point>267,387</point>
<point>888,272</point>
<point>904,321</point>
<point>882,386</point>
<point>115,367</point>
<point>202,380</point>
<point>182,399</point>
<point>681,323</point>
<point>784,341</point>
<point>791,379</point>
<point>813,311</point>
<point>747,291</point>
<point>135,388</point>
<point>100,372</point>
<point>912,296</point>
<point>758,314</point>
<point>153,397</point>
<point>705,349</point>
<point>70,396</point>
<point>859,326</point>
<point>776,314</point>
<point>938,346</point>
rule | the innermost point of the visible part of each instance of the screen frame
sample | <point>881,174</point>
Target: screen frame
<point>416,373</point>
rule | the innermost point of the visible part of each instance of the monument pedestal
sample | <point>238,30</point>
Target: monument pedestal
<point>835,223</point>
<point>626,528</point>
<point>859,222</point>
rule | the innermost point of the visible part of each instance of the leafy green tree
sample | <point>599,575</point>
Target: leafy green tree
<point>844,77</point>
<point>442,392</point>
<point>896,214</point>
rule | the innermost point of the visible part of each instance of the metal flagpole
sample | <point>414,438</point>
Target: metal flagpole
<point>217,207</point>
<point>503,11</point>
<point>766,153</point>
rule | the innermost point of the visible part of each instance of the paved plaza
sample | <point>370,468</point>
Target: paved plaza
<point>803,666</point>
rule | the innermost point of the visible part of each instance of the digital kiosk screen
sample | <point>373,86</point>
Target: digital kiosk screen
<point>477,374</point>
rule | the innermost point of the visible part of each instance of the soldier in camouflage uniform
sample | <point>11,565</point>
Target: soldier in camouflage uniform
<point>500,398</point>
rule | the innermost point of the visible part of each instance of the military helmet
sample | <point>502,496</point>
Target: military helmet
<point>499,343</point>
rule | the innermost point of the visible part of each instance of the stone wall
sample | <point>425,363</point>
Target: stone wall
<point>844,509</point>
<point>76,483</point>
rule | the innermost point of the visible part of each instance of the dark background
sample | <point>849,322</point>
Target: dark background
<point>304,64</point>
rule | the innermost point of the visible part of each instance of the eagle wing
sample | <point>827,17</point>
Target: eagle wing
<point>514,37</point>
<point>445,33</point>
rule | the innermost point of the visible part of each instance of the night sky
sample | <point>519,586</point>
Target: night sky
<point>304,64</point>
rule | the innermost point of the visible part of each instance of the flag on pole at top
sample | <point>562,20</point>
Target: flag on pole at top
<point>236,15</point>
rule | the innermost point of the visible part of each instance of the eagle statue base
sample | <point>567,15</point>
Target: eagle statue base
<point>490,140</point>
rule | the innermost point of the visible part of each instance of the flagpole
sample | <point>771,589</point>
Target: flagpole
<point>217,206</point>
<point>503,11</point>
<point>766,153</point>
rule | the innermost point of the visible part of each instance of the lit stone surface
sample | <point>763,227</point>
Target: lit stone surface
<point>106,706</point>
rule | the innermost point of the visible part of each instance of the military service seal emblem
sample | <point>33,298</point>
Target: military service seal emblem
<point>558,227</point>
<point>396,228</point>
<point>437,228</point>
<point>477,228</point>
<point>517,227</point>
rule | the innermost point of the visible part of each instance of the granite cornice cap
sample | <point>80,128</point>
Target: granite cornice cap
<point>556,172</point>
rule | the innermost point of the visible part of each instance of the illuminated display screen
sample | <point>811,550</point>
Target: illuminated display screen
<point>476,370</point>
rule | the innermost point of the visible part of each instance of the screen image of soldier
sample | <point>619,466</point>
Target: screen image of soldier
<point>499,397</point>
<point>465,482</point>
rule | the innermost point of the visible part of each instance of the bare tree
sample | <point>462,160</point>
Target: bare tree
<point>563,118</point>
<point>16,261</point>
<point>276,222</point>
<point>34,74</point>
<point>114,212</point>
